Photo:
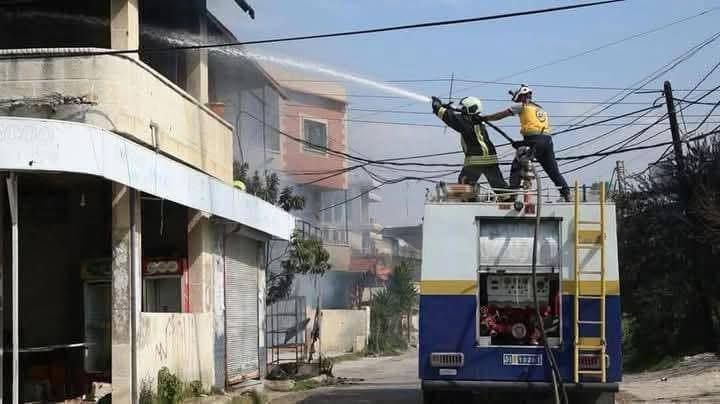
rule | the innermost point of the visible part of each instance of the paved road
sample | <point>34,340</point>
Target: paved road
<point>373,380</point>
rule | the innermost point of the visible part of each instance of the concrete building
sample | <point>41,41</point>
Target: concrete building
<point>124,247</point>
<point>302,124</point>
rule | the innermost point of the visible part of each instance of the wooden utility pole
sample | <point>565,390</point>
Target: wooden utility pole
<point>674,128</point>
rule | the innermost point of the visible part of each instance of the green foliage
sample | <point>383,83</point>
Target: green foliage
<point>326,366</point>
<point>146,393</point>
<point>304,256</point>
<point>194,389</point>
<point>169,387</point>
<point>307,384</point>
<point>267,188</point>
<point>387,310</point>
<point>290,202</point>
<point>668,238</point>
<point>250,397</point>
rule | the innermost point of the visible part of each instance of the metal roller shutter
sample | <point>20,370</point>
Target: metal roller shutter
<point>241,308</point>
<point>509,243</point>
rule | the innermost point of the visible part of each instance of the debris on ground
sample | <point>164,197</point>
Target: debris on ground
<point>695,378</point>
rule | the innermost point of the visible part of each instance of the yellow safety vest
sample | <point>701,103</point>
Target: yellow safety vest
<point>533,120</point>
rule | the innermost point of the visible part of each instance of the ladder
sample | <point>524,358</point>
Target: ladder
<point>589,235</point>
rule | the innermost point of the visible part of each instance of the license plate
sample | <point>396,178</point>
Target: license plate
<point>448,372</point>
<point>522,360</point>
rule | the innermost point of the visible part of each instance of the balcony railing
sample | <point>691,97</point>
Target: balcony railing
<point>329,235</point>
<point>118,93</point>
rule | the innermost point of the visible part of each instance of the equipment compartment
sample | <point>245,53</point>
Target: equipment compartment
<point>506,311</point>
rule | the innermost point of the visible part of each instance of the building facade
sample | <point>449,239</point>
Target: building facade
<point>125,248</point>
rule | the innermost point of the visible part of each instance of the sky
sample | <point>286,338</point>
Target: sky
<point>489,51</point>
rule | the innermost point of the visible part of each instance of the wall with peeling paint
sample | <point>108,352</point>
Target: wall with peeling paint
<point>181,341</point>
<point>344,330</point>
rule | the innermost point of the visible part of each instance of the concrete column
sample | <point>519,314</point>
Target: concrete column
<point>125,25</point>
<point>200,260</point>
<point>197,64</point>
<point>262,349</point>
<point>125,277</point>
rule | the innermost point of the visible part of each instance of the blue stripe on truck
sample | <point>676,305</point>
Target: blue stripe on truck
<point>447,324</point>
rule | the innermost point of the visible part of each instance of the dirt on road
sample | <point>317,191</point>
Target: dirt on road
<point>694,379</point>
<point>368,380</point>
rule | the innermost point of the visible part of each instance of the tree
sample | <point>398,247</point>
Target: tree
<point>668,237</point>
<point>305,256</point>
<point>266,188</point>
<point>388,308</point>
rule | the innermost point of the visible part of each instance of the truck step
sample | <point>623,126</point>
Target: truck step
<point>590,347</point>
<point>596,297</point>
<point>590,322</point>
<point>591,372</point>
<point>589,222</point>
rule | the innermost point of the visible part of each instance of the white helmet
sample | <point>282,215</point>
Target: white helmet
<point>524,89</point>
<point>471,105</point>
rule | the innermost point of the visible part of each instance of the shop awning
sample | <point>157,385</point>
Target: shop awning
<point>60,146</point>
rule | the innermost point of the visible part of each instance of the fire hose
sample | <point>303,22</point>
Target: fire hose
<point>558,385</point>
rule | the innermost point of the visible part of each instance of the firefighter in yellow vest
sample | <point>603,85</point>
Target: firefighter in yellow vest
<point>480,156</point>
<point>536,131</point>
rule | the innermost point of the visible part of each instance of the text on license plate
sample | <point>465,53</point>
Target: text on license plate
<point>522,360</point>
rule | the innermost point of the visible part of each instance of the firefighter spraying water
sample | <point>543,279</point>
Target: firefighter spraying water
<point>480,153</point>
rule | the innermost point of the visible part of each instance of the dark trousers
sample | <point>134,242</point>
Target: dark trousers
<point>545,155</point>
<point>471,174</point>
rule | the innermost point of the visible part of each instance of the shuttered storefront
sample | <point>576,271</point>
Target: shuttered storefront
<point>241,308</point>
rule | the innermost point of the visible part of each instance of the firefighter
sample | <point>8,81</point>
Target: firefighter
<point>480,156</point>
<point>535,128</point>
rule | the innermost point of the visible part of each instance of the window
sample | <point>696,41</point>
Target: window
<point>315,133</point>
<point>336,214</point>
<point>162,294</point>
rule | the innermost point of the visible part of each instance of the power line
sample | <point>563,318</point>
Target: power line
<point>592,50</point>
<point>602,135</point>
<point>654,75</point>
<point>602,155</point>
<point>604,46</point>
<point>488,82</point>
<point>382,96</point>
<point>331,35</point>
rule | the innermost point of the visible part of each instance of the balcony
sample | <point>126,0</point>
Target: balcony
<point>334,241</point>
<point>121,94</point>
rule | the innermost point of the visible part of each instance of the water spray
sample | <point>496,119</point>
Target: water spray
<point>189,39</point>
<point>185,39</point>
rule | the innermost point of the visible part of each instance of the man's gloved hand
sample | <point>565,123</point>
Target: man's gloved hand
<point>517,144</point>
<point>480,118</point>
<point>436,104</point>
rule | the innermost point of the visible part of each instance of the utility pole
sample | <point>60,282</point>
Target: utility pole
<point>620,172</point>
<point>674,128</point>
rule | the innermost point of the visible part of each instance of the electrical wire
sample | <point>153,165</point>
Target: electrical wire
<point>558,385</point>
<point>640,84</point>
<point>328,35</point>
<point>588,51</point>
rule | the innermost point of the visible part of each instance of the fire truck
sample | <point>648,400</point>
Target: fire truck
<point>497,322</point>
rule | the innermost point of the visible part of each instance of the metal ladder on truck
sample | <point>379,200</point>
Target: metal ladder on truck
<point>589,235</point>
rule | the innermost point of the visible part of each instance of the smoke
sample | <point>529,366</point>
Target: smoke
<point>175,38</point>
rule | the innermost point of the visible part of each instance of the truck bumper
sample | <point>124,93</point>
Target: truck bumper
<point>498,386</point>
